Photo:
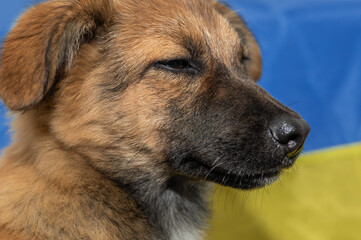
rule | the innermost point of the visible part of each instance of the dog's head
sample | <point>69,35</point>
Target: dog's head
<point>157,87</point>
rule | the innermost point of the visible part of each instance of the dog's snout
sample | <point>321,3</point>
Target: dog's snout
<point>290,132</point>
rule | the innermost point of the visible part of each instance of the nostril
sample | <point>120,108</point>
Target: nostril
<point>290,132</point>
<point>292,144</point>
<point>284,132</point>
<point>292,141</point>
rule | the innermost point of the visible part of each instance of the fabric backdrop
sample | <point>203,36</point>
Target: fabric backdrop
<point>312,63</point>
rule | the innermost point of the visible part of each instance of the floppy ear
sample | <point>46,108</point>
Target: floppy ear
<point>254,65</point>
<point>40,48</point>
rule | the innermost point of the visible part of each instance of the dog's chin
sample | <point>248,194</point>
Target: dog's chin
<point>250,181</point>
<point>245,181</point>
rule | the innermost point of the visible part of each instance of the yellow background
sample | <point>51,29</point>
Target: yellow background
<point>318,199</point>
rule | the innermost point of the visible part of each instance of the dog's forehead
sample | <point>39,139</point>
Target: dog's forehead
<point>166,25</point>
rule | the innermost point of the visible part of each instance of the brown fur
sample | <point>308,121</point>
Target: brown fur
<point>92,114</point>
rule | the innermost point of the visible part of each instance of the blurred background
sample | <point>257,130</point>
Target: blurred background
<point>312,63</point>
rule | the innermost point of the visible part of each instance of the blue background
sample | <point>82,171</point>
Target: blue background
<point>312,61</point>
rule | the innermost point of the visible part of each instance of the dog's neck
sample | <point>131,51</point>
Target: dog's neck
<point>179,208</point>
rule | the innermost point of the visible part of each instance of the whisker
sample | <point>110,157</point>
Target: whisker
<point>220,163</point>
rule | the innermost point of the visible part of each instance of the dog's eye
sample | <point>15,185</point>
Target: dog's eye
<point>244,59</point>
<point>177,65</point>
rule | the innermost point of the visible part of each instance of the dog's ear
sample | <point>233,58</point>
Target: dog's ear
<point>254,63</point>
<point>40,48</point>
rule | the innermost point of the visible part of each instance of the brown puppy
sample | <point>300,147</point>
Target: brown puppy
<point>122,108</point>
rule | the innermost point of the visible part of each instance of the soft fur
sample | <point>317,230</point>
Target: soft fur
<point>121,109</point>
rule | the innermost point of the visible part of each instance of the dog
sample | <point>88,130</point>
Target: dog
<point>125,111</point>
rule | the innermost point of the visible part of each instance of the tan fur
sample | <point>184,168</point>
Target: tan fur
<point>60,178</point>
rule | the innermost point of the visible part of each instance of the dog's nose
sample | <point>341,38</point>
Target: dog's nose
<point>291,133</point>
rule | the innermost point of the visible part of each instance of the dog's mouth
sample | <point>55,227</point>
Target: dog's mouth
<point>250,181</point>
<point>228,176</point>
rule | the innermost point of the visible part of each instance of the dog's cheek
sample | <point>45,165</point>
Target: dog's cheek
<point>143,114</point>
<point>79,116</point>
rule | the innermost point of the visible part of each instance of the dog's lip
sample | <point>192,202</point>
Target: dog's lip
<point>289,160</point>
<point>227,177</point>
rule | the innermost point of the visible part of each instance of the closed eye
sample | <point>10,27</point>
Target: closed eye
<point>244,59</point>
<point>177,66</point>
